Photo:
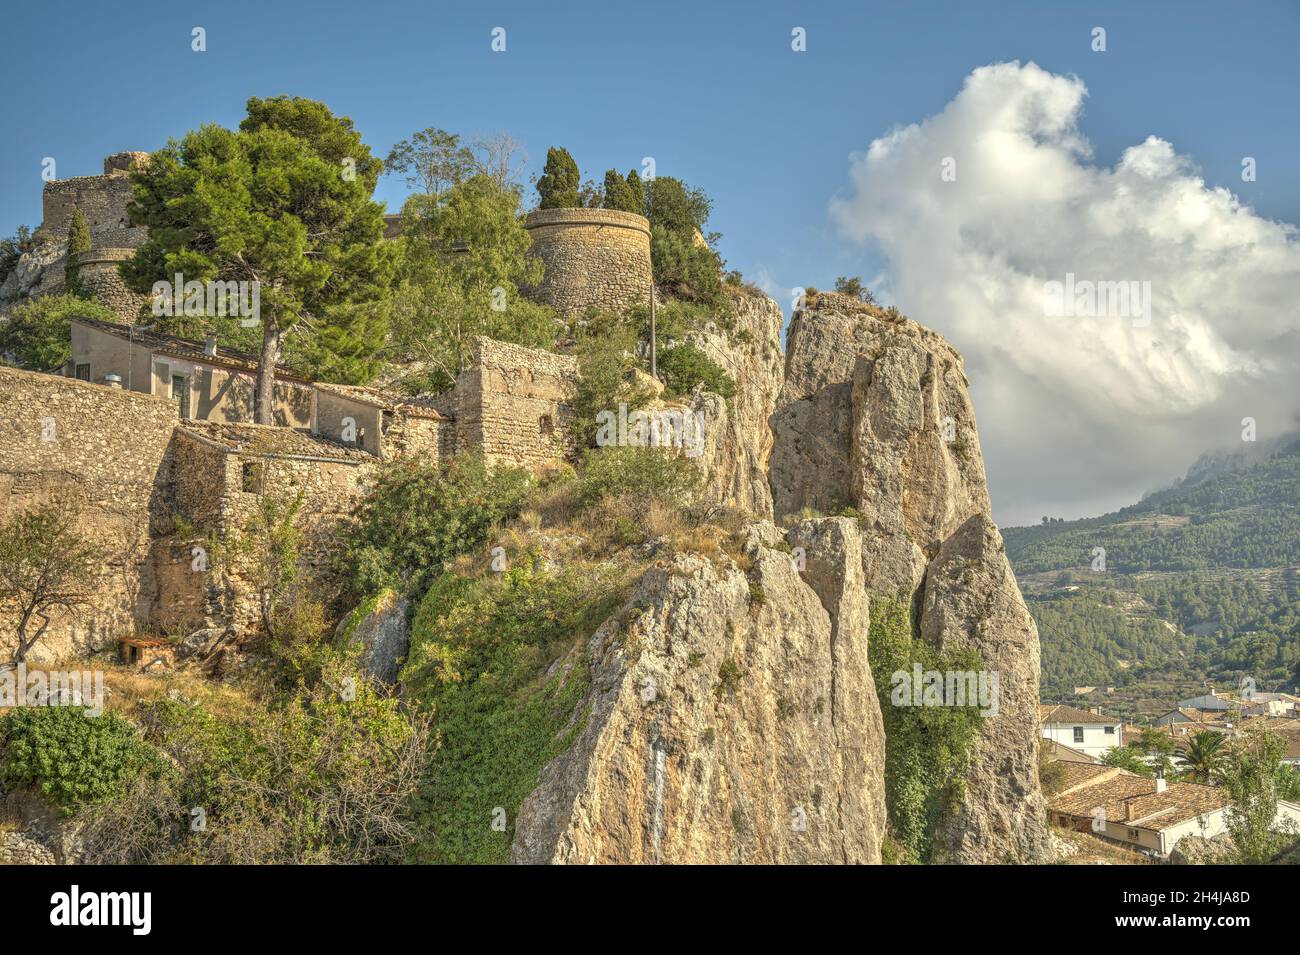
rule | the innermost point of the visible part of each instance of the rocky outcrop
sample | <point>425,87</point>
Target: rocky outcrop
<point>737,434</point>
<point>732,717</point>
<point>1198,850</point>
<point>875,416</point>
<point>971,600</point>
<point>875,419</point>
<point>381,630</point>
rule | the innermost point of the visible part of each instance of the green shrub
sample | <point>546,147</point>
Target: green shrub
<point>644,473</point>
<point>685,267</point>
<point>38,334</point>
<point>926,747</point>
<point>323,775</point>
<point>68,757</point>
<point>606,347</point>
<point>480,651</point>
<point>682,367</point>
<point>417,517</point>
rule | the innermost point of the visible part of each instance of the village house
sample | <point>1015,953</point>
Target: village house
<point>1148,814</point>
<point>206,382</point>
<point>1087,731</point>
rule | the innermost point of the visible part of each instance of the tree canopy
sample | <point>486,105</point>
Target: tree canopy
<point>284,201</point>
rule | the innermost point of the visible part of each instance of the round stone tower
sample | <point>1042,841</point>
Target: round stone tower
<point>594,258</point>
<point>98,275</point>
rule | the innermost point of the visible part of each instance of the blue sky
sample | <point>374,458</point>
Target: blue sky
<point>712,91</point>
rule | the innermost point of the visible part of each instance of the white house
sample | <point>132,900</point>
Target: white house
<point>1145,813</point>
<point>1082,730</point>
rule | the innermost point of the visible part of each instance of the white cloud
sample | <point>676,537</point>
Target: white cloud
<point>1080,414</point>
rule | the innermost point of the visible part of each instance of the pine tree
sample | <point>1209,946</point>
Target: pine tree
<point>78,242</point>
<point>558,185</point>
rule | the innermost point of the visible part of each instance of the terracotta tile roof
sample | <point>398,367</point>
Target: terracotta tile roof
<point>176,347</point>
<point>419,407</point>
<point>261,439</point>
<point>1131,799</point>
<point>1069,714</point>
<point>1051,749</point>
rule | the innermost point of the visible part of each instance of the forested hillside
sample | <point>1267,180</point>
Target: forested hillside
<point>1200,583</point>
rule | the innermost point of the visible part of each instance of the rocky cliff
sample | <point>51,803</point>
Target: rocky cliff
<point>731,717</point>
<point>733,714</point>
<point>737,436</point>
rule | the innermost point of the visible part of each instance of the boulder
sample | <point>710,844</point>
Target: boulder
<point>381,628</point>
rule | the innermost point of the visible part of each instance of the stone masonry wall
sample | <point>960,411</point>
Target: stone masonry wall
<point>514,404</point>
<point>101,199</point>
<point>99,277</point>
<point>107,452</point>
<point>594,258</point>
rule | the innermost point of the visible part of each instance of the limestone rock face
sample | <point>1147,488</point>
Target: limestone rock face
<point>732,717</point>
<point>738,437</point>
<point>971,600</point>
<point>384,633</point>
<point>875,416</point>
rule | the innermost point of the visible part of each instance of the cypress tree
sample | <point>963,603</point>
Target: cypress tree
<point>635,193</point>
<point>78,241</point>
<point>617,194</point>
<point>558,185</point>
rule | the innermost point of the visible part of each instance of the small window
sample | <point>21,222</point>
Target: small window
<point>1110,731</point>
<point>252,477</point>
<point>546,425</point>
<point>1078,734</point>
<point>83,371</point>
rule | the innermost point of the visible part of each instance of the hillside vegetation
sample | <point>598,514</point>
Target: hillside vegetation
<point>1201,583</point>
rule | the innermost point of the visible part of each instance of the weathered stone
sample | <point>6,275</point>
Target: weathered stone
<point>593,258</point>
<point>730,719</point>
<point>17,848</point>
<point>737,435</point>
<point>1198,850</point>
<point>971,600</point>
<point>382,631</point>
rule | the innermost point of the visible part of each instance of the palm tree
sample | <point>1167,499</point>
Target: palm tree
<point>1204,755</point>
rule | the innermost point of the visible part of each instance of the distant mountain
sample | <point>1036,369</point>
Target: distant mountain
<point>1201,583</point>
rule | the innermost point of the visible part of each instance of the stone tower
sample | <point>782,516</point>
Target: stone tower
<point>594,258</point>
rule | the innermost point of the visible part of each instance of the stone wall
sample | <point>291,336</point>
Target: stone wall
<point>101,199</point>
<point>515,404</point>
<point>594,258</point>
<point>107,452</point>
<point>216,495</point>
<point>99,278</point>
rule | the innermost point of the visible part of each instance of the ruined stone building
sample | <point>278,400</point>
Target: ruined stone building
<point>151,436</point>
<point>103,202</point>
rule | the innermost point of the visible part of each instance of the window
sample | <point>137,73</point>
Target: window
<point>251,478</point>
<point>1110,731</point>
<point>83,371</point>
<point>1078,734</point>
<point>546,425</point>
